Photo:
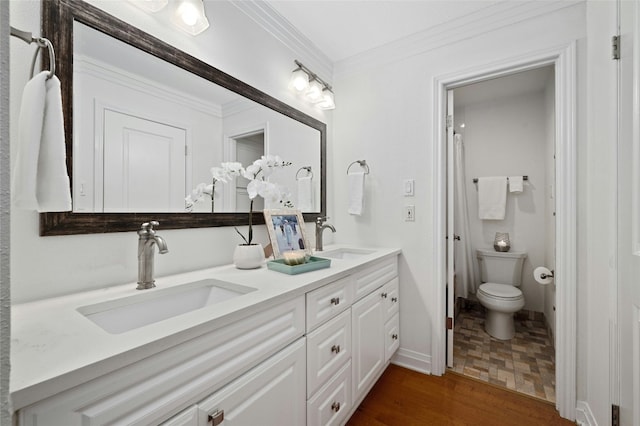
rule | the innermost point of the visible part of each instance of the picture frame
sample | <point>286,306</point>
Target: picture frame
<point>286,231</point>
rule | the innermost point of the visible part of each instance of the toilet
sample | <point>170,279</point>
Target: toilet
<point>501,274</point>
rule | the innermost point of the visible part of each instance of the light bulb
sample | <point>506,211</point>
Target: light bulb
<point>299,80</point>
<point>328,101</point>
<point>189,14</point>
<point>314,94</point>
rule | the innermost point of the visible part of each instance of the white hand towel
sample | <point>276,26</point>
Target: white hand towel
<point>515,184</point>
<point>305,200</point>
<point>40,180</point>
<point>356,193</point>
<point>492,197</point>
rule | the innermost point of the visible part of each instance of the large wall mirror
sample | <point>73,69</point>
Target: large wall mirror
<point>138,142</point>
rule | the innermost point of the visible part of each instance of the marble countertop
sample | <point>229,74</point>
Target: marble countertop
<point>54,347</point>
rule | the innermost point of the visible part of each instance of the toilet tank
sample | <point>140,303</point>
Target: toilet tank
<point>501,267</point>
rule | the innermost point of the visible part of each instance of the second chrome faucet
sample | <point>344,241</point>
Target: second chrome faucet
<point>147,240</point>
<point>320,227</point>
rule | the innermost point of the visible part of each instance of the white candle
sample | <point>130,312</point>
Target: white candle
<point>502,243</point>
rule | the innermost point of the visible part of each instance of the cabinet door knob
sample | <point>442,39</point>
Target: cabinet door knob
<point>335,301</point>
<point>394,336</point>
<point>335,348</point>
<point>335,406</point>
<point>384,295</point>
<point>394,299</point>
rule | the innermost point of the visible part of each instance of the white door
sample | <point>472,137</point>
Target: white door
<point>144,165</point>
<point>450,231</point>
<point>629,216</point>
<point>248,149</point>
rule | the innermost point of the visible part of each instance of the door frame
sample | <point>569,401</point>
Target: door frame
<point>564,60</point>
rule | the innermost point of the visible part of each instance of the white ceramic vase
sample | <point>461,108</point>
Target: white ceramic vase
<point>248,256</point>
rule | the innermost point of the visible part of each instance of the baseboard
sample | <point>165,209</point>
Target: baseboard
<point>412,360</point>
<point>584,416</point>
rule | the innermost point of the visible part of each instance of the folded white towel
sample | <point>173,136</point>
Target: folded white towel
<point>515,184</point>
<point>305,200</point>
<point>356,193</point>
<point>40,180</point>
<point>492,197</point>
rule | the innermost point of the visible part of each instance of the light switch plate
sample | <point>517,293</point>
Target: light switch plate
<point>408,187</point>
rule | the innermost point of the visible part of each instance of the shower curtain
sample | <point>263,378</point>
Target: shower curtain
<point>463,252</point>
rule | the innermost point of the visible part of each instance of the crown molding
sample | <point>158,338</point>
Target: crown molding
<point>274,23</point>
<point>472,25</point>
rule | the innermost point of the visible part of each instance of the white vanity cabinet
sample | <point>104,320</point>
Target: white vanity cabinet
<point>349,350</point>
<point>152,390</point>
<point>306,358</point>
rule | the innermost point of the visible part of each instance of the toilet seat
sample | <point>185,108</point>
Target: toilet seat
<point>500,291</point>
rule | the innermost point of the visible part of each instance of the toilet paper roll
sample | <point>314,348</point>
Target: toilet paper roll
<point>539,272</point>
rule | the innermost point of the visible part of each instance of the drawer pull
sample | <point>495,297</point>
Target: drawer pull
<point>335,406</point>
<point>335,348</point>
<point>394,336</point>
<point>384,295</point>
<point>216,417</point>
<point>394,299</point>
<point>335,301</point>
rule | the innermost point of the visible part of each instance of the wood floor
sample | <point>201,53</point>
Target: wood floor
<point>404,398</point>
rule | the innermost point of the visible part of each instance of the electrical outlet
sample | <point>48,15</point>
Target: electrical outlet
<point>409,213</point>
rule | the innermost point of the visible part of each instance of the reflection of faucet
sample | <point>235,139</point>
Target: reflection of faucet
<point>321,226</point>
<point>146,240</point>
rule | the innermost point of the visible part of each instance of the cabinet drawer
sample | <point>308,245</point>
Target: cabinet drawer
<point>375,276</point>
<point>333,402</point>
<point>328,347</point>
<point>270,394</point>
<point>391,301</point>
<point>391,337</point>
<point>328,301</point>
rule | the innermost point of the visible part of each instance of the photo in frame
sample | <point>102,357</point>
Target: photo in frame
<point>286,231</point>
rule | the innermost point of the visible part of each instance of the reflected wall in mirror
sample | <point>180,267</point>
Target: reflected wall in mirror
<point>142,141</point>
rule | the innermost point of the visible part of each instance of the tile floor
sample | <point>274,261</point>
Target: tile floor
<point>525,363</point>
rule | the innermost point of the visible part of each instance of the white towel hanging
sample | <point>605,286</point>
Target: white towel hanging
<point>356,193</point>
<point>40,180</point>
<point>305,191</point>
<point>492,197</point>
<point>516,184</point>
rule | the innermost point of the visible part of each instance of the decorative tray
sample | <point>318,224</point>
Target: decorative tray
<point>312,264</point>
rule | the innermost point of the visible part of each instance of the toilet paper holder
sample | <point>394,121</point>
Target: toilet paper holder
<point>545,276</point>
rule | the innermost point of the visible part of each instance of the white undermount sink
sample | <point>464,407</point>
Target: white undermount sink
<point>345,253</point>
<point>154,305</point>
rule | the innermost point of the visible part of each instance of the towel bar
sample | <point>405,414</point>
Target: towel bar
<point>475,180</point>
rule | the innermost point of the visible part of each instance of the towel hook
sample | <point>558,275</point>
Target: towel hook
<point>42,43</point>
<point>307,168</point>
<point>362,163</point>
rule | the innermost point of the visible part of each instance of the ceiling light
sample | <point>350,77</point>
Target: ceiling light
<point>304,82</point>
<point>299,80</point>
<point>327,102</point>
<point>190,17</point>
<point>314,93</point>
<point>150,5</point>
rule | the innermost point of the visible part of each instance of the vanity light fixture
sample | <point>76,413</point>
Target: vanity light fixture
<point>305,82</point>
<point>189,16</point>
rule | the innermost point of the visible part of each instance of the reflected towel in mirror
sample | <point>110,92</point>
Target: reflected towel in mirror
<point>516,184</point>
<point>305,199</point>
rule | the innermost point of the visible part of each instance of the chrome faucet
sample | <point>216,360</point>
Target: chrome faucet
<point>321,226</point>
<point>147,239</point>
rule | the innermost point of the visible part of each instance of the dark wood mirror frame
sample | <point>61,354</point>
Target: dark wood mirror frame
<point>57,25</point>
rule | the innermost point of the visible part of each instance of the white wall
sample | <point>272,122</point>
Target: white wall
<point>386,117</point>
<point>507,136</point>
<point>48,266</point>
